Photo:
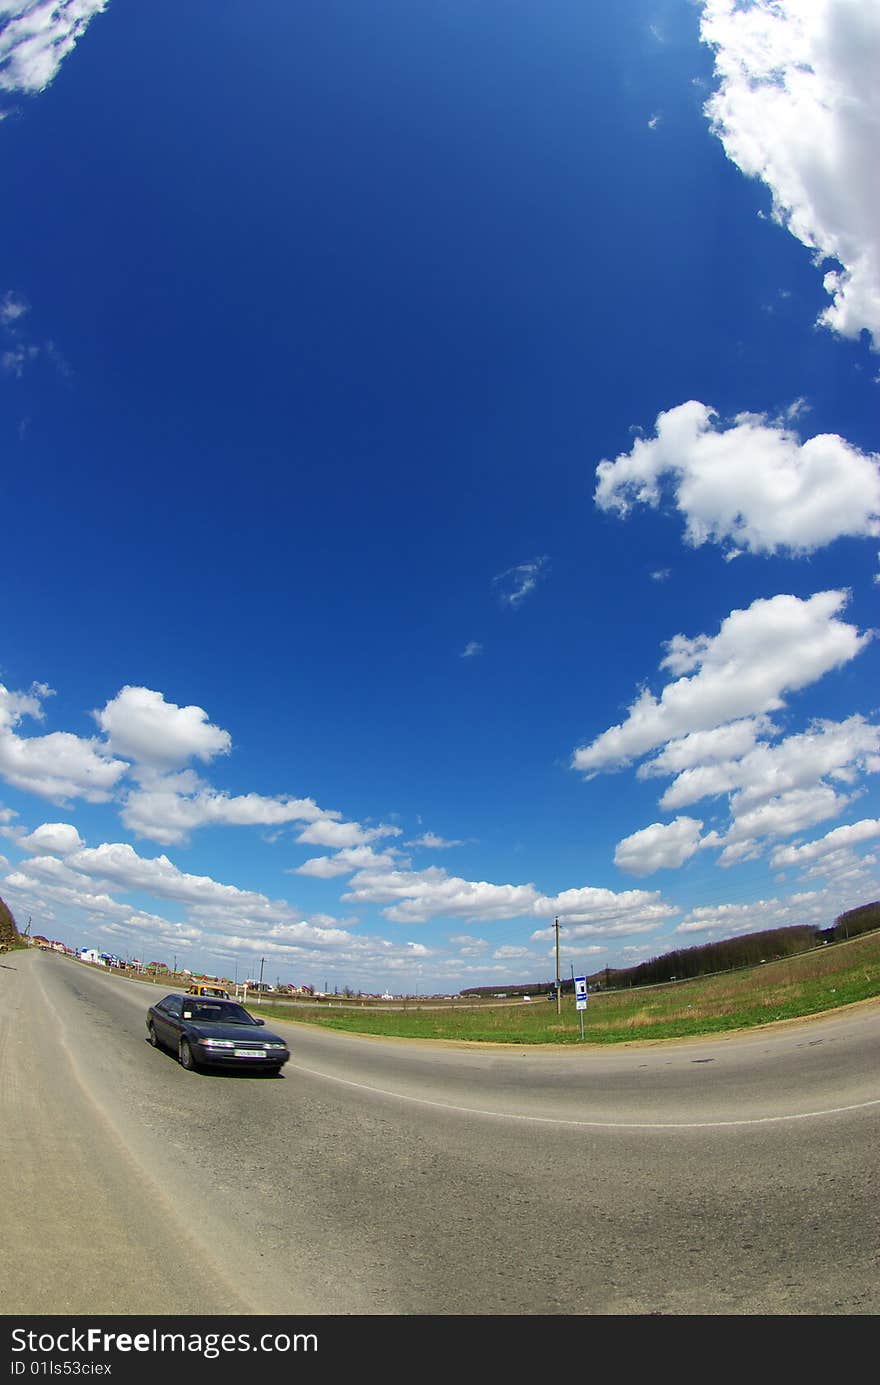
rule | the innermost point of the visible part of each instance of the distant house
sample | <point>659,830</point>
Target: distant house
<point>91,954</point>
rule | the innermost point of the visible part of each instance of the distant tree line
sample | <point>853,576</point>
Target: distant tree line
<point>683,964</point>
<point>864,919</point>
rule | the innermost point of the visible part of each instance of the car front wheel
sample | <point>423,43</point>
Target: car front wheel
<point>151,1035</point>
<point>185,1054</point>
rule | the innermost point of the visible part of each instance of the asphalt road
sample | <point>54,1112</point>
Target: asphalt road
<point>731,1176</point>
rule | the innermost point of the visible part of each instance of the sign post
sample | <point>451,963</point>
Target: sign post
<point>580,998</point>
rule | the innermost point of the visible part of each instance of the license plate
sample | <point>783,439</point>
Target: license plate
<point>249,1053</point>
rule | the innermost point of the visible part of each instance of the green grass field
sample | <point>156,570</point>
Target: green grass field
<point>817,981</point>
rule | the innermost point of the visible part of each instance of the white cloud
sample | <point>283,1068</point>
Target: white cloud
<point>469,946</point>
<point>471,650</point>
<point>142,726</point>
<point>346,861</point>
<point>840,750</point>
<point>517,582</point>
<point>324,832</point>
<point>625,928</point>
<point>662,846</point>
<point>16,358</point>
<point>775,646</point>
<point>773,790</point>
<point>703,748</point>
<point>417,896</point>
<point>853,877</point>
<point>12,307</point>
<point>798,106</point>
<point>597,910</point>
<point>56,838</point>
<point>780,816</point>
<point>168,810</point>
<point>853,834</point>
<point>435,843</point>
<point>727,920</point>
<point>119,864</point>
<point>15,705</point>
<point>37,37</point>
<point>59,766</point>
<point>753,484</point>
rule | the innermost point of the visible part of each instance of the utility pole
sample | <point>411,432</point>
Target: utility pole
<point>558,982</point>
<point>260,995</point>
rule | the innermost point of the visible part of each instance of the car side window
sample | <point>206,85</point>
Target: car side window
<point>173,1005</point>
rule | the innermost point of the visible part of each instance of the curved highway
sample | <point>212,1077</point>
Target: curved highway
<point>719,1176</point>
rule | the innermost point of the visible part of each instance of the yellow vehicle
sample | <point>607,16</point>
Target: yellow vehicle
<point>208,988</point>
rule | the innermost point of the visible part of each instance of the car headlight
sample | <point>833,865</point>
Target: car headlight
<point>216,1043</point>
<point>283,1047</point>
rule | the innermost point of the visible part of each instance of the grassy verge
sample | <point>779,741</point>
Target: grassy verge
<point>798,986</point>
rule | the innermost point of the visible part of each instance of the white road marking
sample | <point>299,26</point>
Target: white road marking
<point>584,1124</point>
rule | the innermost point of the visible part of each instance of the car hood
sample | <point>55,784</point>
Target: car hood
<point>245,1035</point>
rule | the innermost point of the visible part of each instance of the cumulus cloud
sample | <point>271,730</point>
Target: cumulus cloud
<point>54,838</point>
<point>417,896</point>
<point>469,946</point>
<point>325,832</point>
<point>779,816</point>
<point>226,921</point>
<point>805,853</point>
<point>798,106</point>
<point>516,583</point>
<point>15,705</point>
<point>172,807</point>
<point>142,726</point>
<point>594,909</point>
<point>58,766</point>
<point>775,646</point>
<point>37,36</point>
<point>120,865</point>
<point>662,846</point>
<point>753,484</point>
<point>347,861</point>
<point>703,748</point>
<point>727,920</point>
<point>840,750</point>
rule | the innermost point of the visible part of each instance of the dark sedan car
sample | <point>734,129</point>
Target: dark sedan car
<point>214,1033</point>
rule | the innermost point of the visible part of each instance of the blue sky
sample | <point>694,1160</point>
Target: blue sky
<point>439,480</point>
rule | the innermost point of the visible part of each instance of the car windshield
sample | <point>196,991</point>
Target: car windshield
<point>211,1012</point>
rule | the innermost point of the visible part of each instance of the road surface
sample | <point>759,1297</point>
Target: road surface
<point>722,1176</point>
